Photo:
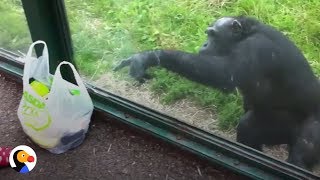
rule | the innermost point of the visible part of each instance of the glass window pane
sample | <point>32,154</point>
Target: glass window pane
<point>105,32</point>
<point>14,31</point>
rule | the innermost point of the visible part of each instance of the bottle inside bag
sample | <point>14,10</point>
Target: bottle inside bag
<point>40,88</point>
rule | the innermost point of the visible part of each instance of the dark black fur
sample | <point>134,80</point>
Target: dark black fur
<point>304,151</point>
<point>280,91</point>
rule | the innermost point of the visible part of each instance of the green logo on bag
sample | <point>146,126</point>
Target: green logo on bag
<point>34,101</point>
<point>31,113</point>
<point>33,124</point>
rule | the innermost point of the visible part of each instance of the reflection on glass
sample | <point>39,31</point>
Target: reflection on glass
<point>106,32</point>
<point>14,31</point>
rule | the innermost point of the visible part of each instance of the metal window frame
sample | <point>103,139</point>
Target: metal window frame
<point>47,21</point>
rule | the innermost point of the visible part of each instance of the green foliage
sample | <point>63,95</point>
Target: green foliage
<point>14,33</point>
<point>106,31</point>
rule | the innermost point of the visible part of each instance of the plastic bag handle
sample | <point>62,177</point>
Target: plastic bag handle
<point>44,51</point>
<point>75,73</point>
<point>45,54</point>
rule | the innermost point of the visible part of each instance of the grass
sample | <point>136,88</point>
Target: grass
<point>14,34</point>
<point>105,31</point>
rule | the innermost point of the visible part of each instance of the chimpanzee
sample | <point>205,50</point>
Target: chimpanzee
<point>280,90</point>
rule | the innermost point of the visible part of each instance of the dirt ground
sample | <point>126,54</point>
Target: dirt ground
<point>110,151</point>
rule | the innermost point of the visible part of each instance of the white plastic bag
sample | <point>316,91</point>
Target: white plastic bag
<point>59,121</point>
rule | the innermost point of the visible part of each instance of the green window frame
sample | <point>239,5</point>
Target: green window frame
<point>47,20</point>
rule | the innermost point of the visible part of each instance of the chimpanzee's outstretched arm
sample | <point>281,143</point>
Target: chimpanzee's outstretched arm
<point>214,71</point>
